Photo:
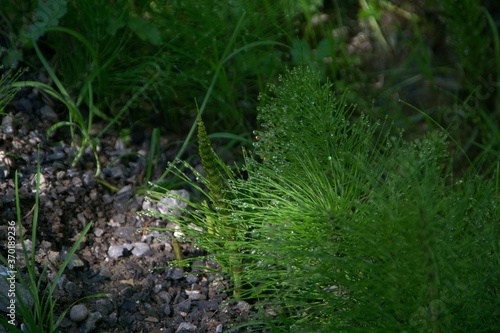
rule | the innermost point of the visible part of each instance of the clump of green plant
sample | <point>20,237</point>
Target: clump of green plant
<point>365,232</point>
<point>36,312</point>
<point>332,227</point>
<point>224,234</point>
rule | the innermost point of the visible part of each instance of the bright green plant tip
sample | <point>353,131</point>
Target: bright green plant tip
<point>211,165</point>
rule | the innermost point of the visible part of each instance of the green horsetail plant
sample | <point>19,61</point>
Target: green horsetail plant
<point>359,233</point>
<point>217,177</point>
<point>211,165</point>
<point>210,222</point>
<point>231,221</point>
<point>403,251</point>
<point>337,229</point>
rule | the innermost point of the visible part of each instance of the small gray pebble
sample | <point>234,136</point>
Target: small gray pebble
<point>211,305</point>
<point>81,218</point>
<point>77,182</point>
<point>122,200</point>
<point>48,114</point>
<point>140,249</point>
<point>191,279</point>
<point>106,198</point>
<point>242,306</point>
<point>150,281</point>
<point>126,191</point>
<point>73,289</point>
<point>55,156</point>
<point>7,127</point>
<point>127,233</point>
<point>129,306</point>
<point>114,172</point>
<point>175,274</point>
<point>115,251</point>
<point>61,189</point>
<point>104,306</point>
<point>75,262</point>
<point>90,323</point>
<point>72,173</point>
<point>89,179</point>
<point>120,219</point>
<point>8,197</point>
<point>196,295</point>
<point>157,288</point>
<point>98,232</point>
<point>106,273</point>
<point>164,296</point>
<point>112,319</point>
<point>170,203</point>
<point>125,319</point>
<point>198,266</point>
<point>147,205</point>
<point>183,306</point>
<point>185,327</point>
<point>166,309</point>
<point>78,313</point>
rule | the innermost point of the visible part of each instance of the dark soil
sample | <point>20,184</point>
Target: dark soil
<point>136,268</point>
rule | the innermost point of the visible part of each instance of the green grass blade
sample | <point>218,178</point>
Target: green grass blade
<point>81,38</point>
<point>69,256</point>
<point>229,136</point>
<point>153,150</point>
<point>56,80</point>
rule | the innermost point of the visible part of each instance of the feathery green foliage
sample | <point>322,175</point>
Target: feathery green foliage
<point>377,239</point>
<point>340,230</point>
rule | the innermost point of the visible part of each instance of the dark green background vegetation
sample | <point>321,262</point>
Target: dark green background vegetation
<point>439,56</point>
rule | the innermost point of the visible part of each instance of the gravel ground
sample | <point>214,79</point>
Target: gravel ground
<point>146,292</point>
